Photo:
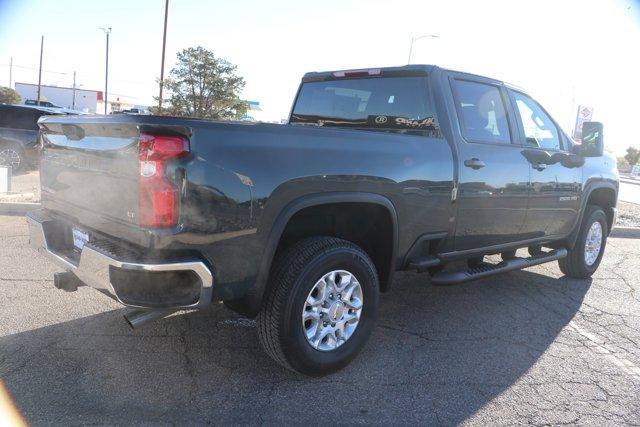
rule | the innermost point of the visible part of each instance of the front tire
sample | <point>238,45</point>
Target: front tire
<point>583,260</point>
<point>321,306</point>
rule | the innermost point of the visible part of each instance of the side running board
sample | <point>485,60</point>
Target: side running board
<point>485,270</point>
<point>422,263</point>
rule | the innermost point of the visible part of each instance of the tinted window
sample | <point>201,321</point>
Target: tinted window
<point>392,103</point>
<point>539,129</point>
<point>482,112</point>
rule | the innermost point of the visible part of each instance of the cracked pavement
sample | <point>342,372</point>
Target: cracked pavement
<point>527,347</point>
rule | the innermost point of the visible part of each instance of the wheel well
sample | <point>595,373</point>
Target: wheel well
<point>606,199</point>
<point>368,225</point>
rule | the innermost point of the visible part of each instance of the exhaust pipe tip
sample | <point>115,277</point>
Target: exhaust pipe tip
<point>139,317</point>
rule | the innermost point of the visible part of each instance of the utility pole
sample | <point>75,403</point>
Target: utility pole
<point>164,43</point>
<point>73,102</point>
<point>10,71</point>
<point>107,31</point>
<point>40,69</point>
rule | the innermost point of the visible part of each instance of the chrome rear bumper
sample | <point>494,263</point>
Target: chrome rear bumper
<point>94,265</point>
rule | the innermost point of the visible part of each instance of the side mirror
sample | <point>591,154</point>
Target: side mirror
<point>592,140</point>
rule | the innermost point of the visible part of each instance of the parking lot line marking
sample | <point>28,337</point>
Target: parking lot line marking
<point>600,347</point>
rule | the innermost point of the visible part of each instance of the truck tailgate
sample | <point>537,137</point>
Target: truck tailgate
<point>90,169</point>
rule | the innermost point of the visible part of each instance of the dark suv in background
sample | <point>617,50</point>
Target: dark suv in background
<point>19,135</point>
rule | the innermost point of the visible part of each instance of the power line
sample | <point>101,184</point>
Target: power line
<point>85,75</point>
<point>34,69</point>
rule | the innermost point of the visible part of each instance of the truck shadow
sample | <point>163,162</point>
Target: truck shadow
<point>438,356</point>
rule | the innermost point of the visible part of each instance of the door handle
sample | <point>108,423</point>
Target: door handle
<point>539,166</point>
<point>474,163</point>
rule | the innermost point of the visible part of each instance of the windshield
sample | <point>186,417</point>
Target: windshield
<point>389,103</point>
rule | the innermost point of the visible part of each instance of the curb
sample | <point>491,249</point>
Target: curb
<point>18,208</point>
<point>630,181</point>
<point>626,232</point>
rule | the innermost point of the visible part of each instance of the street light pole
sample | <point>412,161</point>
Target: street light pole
<point>415,39</point>
<point>164,43</point>
<point>107,31</point>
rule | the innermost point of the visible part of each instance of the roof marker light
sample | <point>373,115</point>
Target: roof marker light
<point>357,73</point>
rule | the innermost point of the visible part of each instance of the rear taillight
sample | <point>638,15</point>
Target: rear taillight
<point>157,196</point>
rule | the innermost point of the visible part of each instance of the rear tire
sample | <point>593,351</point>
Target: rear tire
<point>582,261</point>
<point>290,327</point>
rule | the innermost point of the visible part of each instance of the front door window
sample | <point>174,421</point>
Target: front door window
<point>539,129</point>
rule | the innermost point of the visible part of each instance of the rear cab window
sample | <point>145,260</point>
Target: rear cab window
<point>392,104</point>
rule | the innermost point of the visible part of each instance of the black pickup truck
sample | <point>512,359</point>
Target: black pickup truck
<point>303,225</point>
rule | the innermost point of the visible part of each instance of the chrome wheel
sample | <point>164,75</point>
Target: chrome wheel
<point>10,157</point>
<point>593,243</point>
<point>332,310</point>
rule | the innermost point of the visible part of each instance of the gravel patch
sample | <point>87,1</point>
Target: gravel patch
<point>628,214</point>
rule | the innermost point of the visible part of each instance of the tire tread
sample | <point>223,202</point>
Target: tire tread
<point>288,266</point>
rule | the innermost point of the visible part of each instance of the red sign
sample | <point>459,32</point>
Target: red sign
<point>585,114</point>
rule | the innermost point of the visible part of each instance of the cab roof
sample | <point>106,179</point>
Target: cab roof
<point>405,70</point>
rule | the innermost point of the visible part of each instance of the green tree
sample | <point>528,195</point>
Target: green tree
<point>632,156</point>
<point>203,86</point>
<point>622,163</point>
<point>8,96</point>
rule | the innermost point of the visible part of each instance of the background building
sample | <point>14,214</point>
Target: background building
<point>66,97</point>
<point>118,103</point>
<point>254,112</point>
<point>89,101</point>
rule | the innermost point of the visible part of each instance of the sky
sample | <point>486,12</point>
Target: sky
<point>564,53</point>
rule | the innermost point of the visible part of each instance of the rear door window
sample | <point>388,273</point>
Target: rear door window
<point>385,103</point>
<point>482,112</point>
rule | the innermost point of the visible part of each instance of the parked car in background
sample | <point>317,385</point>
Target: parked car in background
<point>19,135</point>
<point>40,103</point>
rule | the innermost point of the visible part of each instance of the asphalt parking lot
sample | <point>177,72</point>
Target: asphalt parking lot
<point>526,347</point>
